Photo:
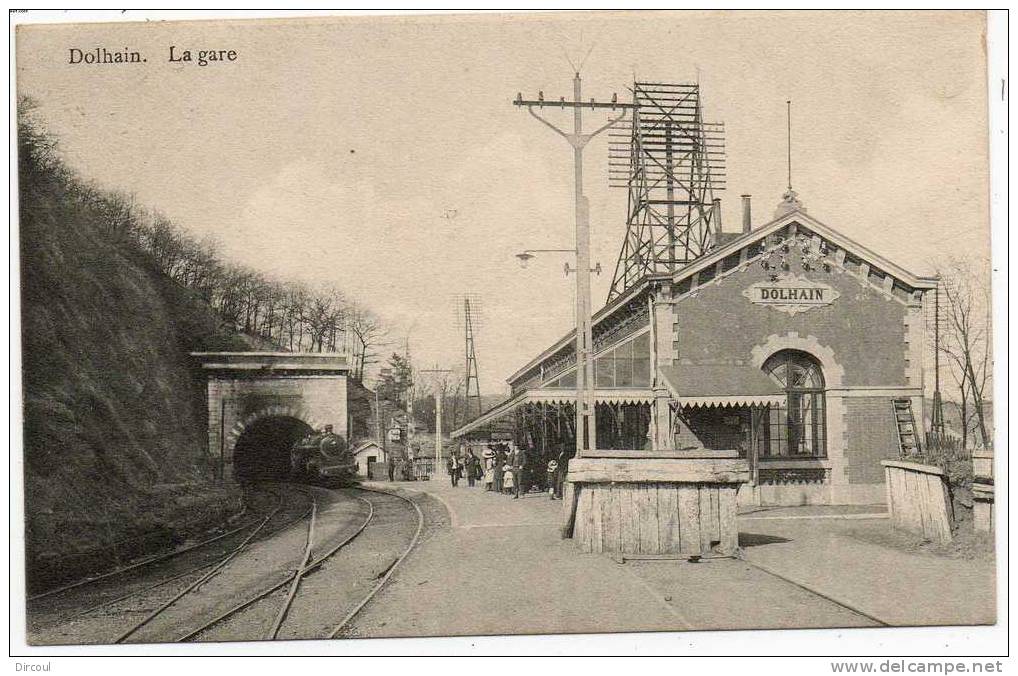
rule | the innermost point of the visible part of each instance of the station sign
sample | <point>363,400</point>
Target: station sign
<point>395,434</point>
<point>792,294</point>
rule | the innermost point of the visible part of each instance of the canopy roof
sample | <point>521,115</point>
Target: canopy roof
<point>720,385</point>
<point>636,395</point>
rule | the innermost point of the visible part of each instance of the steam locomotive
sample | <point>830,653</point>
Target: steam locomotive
<point>323,457</point>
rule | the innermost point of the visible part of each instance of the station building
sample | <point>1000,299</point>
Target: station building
<point>787,343</point>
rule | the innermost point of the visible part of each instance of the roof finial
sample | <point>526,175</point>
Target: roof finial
<point>789,117</point>
<point>790,200</point>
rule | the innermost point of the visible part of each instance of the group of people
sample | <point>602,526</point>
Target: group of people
<point>402,467</point>
<point>507,469</point>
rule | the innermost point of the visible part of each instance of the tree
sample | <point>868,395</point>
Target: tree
<point>368,336</point>
<point>967,340</point>
<point>288,313</point>
<point>396,384</point>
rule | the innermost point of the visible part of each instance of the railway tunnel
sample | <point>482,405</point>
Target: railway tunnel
<point>263,449</point>
<point>260,403</point>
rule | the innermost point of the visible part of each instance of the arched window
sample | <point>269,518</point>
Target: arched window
<point>797,429</point>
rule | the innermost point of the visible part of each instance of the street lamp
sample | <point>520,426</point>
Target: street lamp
<point>528,254</point>
<point>578,139</point>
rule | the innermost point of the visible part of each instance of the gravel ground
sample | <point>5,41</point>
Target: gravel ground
<point>498,566</point>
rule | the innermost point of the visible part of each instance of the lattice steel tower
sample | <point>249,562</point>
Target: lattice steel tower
<point>671,161</point>
<point>472,388</point>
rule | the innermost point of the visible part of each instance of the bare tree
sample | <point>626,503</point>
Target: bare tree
<point>369,336</point>
<point>967,340</point>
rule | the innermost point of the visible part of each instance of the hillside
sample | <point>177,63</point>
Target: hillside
<point>114,446</point>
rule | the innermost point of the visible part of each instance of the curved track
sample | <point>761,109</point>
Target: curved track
<point>140,564</point>
<point>413,543</point>
<point>201,580</point>
<point>277,580</point>
<point>309,564</point>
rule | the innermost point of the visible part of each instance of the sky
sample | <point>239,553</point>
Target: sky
<point>383,155</point>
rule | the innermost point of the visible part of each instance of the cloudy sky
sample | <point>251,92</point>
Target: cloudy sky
<point>332,150</point>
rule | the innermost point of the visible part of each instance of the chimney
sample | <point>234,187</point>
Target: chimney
<point>747,216</point>
<point>717,215</point>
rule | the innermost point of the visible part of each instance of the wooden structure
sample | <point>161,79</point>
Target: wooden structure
<point>918,499</point>
<point>908,431</point>
<point>685,506</point>
<point>982,489</point>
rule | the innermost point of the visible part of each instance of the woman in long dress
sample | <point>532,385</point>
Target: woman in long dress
<point>489,469</point>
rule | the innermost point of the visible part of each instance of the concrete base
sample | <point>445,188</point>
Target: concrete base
<point>982,507</point>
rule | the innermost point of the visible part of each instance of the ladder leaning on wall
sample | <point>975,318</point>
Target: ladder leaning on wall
<point>904,421</point>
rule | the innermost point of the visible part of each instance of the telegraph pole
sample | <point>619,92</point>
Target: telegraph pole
<point>585,412</point>
<point>438,415</point>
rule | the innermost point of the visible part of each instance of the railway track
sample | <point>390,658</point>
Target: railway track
<point>267,584</point>
<point>194,585</point>
<point>122,584</point>
<point>143,563</point>
<point>852,608</point>
<point>312,561</point>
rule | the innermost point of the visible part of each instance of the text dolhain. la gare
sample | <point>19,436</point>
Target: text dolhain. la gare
<point>101,56</point>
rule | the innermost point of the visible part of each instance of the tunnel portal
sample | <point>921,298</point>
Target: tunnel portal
<point>263,449</point>
<point>259,403</point>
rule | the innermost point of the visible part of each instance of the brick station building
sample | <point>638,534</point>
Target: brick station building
<point>788,343</point>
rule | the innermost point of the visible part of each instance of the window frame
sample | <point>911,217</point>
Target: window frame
<point>801,376</point>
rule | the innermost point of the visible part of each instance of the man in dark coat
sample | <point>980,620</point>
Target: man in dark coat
<point>559,478</point>
<point>500,458</point>
<point>391,466</point>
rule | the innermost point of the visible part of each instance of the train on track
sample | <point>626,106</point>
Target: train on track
<point>323,458</point>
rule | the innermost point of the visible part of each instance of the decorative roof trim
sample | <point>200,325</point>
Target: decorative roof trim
<point>819,228</point>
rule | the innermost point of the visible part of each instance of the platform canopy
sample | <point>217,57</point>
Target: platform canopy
<point>636,395</point>
<point>720,385</point>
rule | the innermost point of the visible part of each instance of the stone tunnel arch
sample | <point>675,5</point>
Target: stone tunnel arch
<point>261,400</point>
<point>261,443</point>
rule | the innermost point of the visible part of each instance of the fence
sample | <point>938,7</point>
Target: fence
<point>919,500</point>
<point>982,489</point>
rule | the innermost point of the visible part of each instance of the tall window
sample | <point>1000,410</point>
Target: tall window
<point>627,365</point>
<point>797,429</point>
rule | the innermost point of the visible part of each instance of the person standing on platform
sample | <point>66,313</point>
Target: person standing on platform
<point>473,466</point>
<point>454,468</point>
<point>518,462</point>
<point>499,462</point>
<point>390,464</point>
<point>552,479</point>
<point>508,479</point>
<point>563,468</point>
<point>489,468</point>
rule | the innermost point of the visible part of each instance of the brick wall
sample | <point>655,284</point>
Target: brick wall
<point>864,327</point>
<point>871,438</point>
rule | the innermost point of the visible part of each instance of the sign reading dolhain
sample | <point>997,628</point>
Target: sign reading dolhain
<point>791,294</point>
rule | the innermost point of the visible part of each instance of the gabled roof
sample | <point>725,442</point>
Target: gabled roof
<point>733,246</point>
<point>364,445</point>
<point>810,223</point>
